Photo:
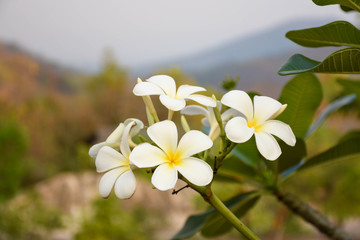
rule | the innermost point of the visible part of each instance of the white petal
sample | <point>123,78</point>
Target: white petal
<point>281,130</point>
<point>115,136</point>
<point>164,177</point>
<point>172,103</point>
<point>93,151</point>
<point>146,155</point>
<point>124,146</point>
<point>267,145</point>
<point>196,171</point>
<point>109,158</point>
<point>194,110</point>
<point>108,179</point>
<point>193,142</point>
<point>125,185</point>
<point>265,107</point>
<point>225,116</point>
<point>165,82</point>
<point>186,90</point>
<point>205,122</point>
<point>165,135</point>
<point>240,101</point>
<point>146,89</point>
<point>135,129</point>
<point>237,130</point>
<point>204,100</point>
<point>283,107</point>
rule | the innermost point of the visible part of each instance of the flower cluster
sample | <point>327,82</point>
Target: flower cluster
<point>165,155</point>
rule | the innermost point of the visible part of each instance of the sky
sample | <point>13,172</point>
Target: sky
<point>76,33</point>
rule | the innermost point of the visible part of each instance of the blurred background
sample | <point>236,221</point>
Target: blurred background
<point>67,69</point>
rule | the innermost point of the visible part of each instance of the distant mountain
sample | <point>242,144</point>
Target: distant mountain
<point>49,72</point>
<point>255,59</point>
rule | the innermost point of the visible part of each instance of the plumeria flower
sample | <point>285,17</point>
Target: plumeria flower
<point>165,86</point>
<point>114,138</point>
<point>117,167</point>
<point>210,120</point>
<point>171,157</point>
<point>258,121</point>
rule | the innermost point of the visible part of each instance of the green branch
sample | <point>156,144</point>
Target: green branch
<point>312,216</point>
<point>219,206</point>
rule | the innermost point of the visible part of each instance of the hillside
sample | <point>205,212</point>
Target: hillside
<point>255,59</point>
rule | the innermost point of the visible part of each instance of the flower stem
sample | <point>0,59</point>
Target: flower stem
<point>170,114</point>
<point>223,210</point>
<point>219,206</point>
<point>312,216</point>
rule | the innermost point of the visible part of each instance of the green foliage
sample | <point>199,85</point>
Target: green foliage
<point>333,107</point>
<point>235,164</point>
<point>193,225</point>
<point>342,199</point>
<point>303,95</point>
<point>291,156</point>
<point>112,221</point>
<point>339,33</point>
<point>345,149</point>
<point>247,152</point>
<point>13,148</point>
<point>28,218</point>
<point>205,221</point>
<point>230,83</point>
<point>353,4</point>
<point>217,225</point>
<point>342,61</point>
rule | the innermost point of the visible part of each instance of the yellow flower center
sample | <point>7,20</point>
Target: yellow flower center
<point>173,159</point>
<point>254,124</point>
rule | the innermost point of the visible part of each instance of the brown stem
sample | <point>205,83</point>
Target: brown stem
<point>312,216</point>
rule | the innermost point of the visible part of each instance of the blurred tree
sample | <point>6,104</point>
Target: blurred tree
<point>13,148</point>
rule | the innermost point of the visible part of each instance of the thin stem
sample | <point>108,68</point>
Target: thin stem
<point>150,105</point>
<point>223,210</point>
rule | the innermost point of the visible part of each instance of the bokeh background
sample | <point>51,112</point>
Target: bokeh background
<point>67,69</point>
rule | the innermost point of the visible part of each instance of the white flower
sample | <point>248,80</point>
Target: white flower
<point>115,137</point>
<point>173,157</point>
<point>210,119</point>
<point>117,167</point>
<point>258,120</point>
<point>165,86</point>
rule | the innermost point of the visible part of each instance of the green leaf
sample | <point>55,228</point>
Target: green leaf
<point>339,33</point>
<point>291,156</point>
<point>345,149</point>
<point>351,86</point>
<point>195,222</point>
<point>346,9</point>
<point>345,60</point>
<point>247,152</point>
<point>353,4</point>
<point>351,136</point>
<point>334,106</point>
<point>193,225</point>
<point>235,165</point>
<point>217,225</point>
<point>303,95</point>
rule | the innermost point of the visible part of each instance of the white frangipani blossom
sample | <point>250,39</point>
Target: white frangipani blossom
<point>171,157</point>
<point>258,121</point>
<point>210,120</point>
<point>117,167</point>
<point>171,98</point>
<point>114,138</point>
